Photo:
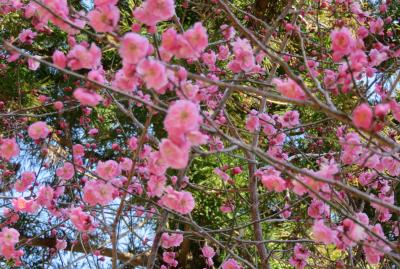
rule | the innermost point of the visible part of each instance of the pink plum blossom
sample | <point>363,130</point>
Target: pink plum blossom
<point>182,117</point>
<point>8,148</point>
<point>134,48</point>
<point>289,88</point>
<point>153,73</point>
<point>38,130</point>
<point>230,264</point>
<point>45,196</point>
<point>104,18</point>
<point>66,172</point>
<point>9,236</point>
<point>25,206</point>
<point>173,240</point>
<point>99,3</point>
<point>363,116</point>
<point>87,97</point>
<point>59,59</point>
<point>108,170</point>
<point>179,201</point>
<point>27,178</point>
<point>78,150</point>
<point>97,192</point>
<point>156,186</point>
<point>290,119</point>
<point>342,42</point>
<point>61,244</point>
<point>197,37</point>
<point>27,36</point>
<point>323,234</point>
<point>81,220</point>
<point>173,155</point>
<point>152,12</point>
<point>81,57</point>
<point>273,183</point>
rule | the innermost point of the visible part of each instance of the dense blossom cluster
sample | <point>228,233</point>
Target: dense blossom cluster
<point>155,73</point>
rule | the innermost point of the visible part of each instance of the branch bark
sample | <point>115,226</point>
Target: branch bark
<point>132,259</point>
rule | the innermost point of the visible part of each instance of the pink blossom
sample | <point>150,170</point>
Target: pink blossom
<point>108,170</point>
<point>13,57</point>
<point>66,172</point>
<point>27,36</point>
<point>209,59</point>
<point>38,130</point>
<point>366,178</point>
<point>228,32</point>
<point>61,244</point>
<point>156,164</point>
<point>9,237</point>
<point>273,183</point>
<point>156,185</point>
<point>134,48</point>
<point>342,41</point>
<point>99,3</point>
<point>362,116</point>
<point>87,97</point>
<point>376,26</point>
<point>179,201</point>
<point>27,178</point>
<point>169,258</point>
<point>323,234</point>
<point>353,232</point>
<point>173,155</point>
<point>208,252</point>
<point>59,59</point>
<point>93,132</point>
<point>197,37</point>
<point>297,263</point>
<point>252,121</point>
<point>377,57</point>
<point>97,192</point>
<point>223,53</point>
<point>153,11</point>
<point>104,18</point>
<point>132,143</point>
<point>33,64</point>
<point>290,119</point>
<point>289,88</point>
<point>8,148</point>
<point>153,73</point>
<point>301,252</point>
<point>182,117</point>
<point>230,264</point>
<point>244,57</point>
<point>25,206</point>
<point>97,75</point>
<point>317,209</point>
<point>358,60</point>
<point>227,207</point>
<point>58,105</point>
<point>173,240</point>
<point>81,57</point>
<point>78,150</point>
<point>381,110</point>
<point>81,220</point>
<point>224,176</point>
<point>124,82</point>
<point>196,138</point>
<point>126,164</point>
<point>45,196</point>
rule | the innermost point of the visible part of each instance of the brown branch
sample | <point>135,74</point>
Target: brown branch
<point>133,259</point>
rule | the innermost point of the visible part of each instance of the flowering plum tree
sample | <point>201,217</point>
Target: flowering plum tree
<point>199,134</point>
